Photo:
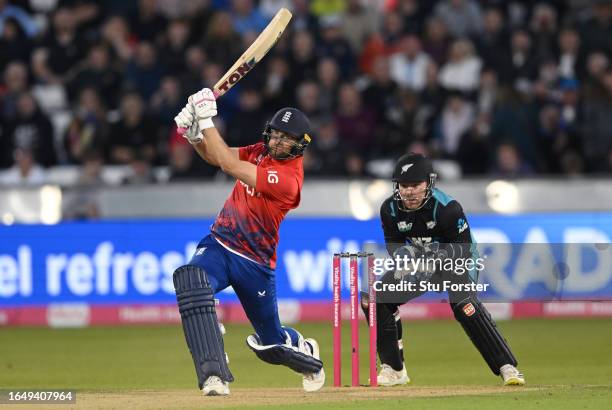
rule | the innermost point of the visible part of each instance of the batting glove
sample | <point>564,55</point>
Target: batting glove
<point>187,126</point>
<point>205,107</point>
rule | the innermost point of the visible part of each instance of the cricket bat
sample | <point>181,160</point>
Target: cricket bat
<point>253,55</point>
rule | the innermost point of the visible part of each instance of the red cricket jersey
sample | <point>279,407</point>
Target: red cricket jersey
<point>251,217</point>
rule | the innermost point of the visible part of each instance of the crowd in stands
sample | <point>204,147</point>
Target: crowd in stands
<point>504,88</point>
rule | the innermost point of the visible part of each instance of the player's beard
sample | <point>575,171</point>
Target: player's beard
<point>415,200</point>
<point>276,151</point>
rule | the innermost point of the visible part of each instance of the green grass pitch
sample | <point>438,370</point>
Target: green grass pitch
<point>567,363</point>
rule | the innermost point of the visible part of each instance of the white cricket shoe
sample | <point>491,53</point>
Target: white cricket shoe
<point>511,375</point>
<point>313,381</point>
<point>214,386</point>
<point>390,377</point>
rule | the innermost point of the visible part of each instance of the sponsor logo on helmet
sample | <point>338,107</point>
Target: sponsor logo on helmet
<point>286,116</point>
<point>406,167</point>
<point>403,226</point>
<point>469,309</point>
<point>462,225</point>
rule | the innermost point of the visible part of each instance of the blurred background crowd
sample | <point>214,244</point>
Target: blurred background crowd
<point>504,88</point>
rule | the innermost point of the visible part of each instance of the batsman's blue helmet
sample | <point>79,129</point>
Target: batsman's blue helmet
<point>293,122</point>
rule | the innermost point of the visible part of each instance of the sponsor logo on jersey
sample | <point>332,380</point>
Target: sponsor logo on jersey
<point>261,293</point>
<point>462,225</point>
<point>406,167</point>
<point>273,176</point>
<point>403,226</point>
<point>431,224</point>
<point>469,309</point>
<point>200,251</point>
<point>421,241</point>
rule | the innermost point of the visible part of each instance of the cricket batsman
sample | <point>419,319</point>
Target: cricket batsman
<point>421,221</point>
<point>240,250</point>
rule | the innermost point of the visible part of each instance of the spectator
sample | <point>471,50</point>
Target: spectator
<point>184,163</point>
<point>97,72</point>
<point>322,8</point>
<point>144,72</point>
<point>462,71</point>
<point>222,42</point>
<point>381,91</point>
<point>354,165</point>
<point>544,31</point>
<point>461,17</point>
<point>597,30</point>
<point>571,59</point>
<point>597,65</point>
<point>520,66</point>
<point>474,148</point>
<point>195,60</point>
<point>325,154</point>
<point>148,24</point>
<point>14,44</point>
<point>83,204</point>
<point>358,24</point>
<point>403,117</point>
<point>409,65</point>
<point>303,19</point>
<point>140,172</point>
<point>332,44</point>
<point>456,118</point>
<point>15,83</point>
<point>308,99</point>
<point>88,129</point>
<point>116,34</point>
<point>328,75</point>
<point>246,17</point>
<point>432,96</point>
<point>413,15</point>
<point>31,130</point>
<point>250,113</point>
<point>488,91</point>
<point>509,164</point>
<point>597,127</point>
<point>270,7</point>
<point>19,15</point>
<point>63,48</point>
<point>302,58</point>
<point>354,120</point>
<point>277,91</point>
<point>134,133</point>
<point>177,41</point>
<point>25,172</point>
<point>513,121</point>
<point>493,39</point>
<point>436,42</point>
<point>167,101</point>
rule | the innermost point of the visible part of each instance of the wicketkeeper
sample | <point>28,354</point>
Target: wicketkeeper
<point>421,221</point>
